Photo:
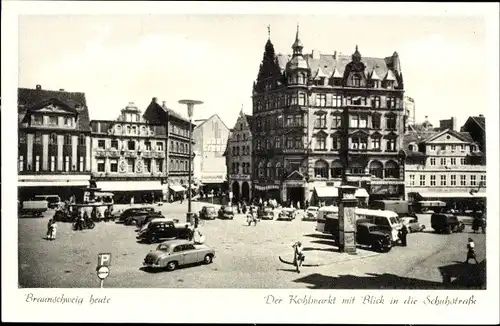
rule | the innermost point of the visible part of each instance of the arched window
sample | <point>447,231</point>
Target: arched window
<point>321,169</point>
<point>279,170</point>
<point>238,137</point>
<point>356,80</point>
<point>67,139</point>
<point>356,168</point>
<point>391,169</point>
<point>81,140</point>
<point>127,129</point>
<point>336,169</point>
<point>269,170</point>
<point>300,79</point>
<point>53,139</point>
<point>376,169</point>
<point>261,170</point>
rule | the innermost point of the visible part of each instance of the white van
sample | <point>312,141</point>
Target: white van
<point>53,200</point>
<point>387,219</point>
<point>332,212</point>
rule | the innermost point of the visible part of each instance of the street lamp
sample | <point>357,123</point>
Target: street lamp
<point>190,106</point>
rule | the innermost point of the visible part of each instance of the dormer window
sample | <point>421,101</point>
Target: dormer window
<point>356,81</point>
<point>53,121</point>
<point>300,79</point>
<point>376,84</point>
<point>389,84</point>
<point>67,121</point>
<point>127,129</point>
<point>37,120</point>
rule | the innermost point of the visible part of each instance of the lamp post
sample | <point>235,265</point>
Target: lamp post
<point>190,105</point>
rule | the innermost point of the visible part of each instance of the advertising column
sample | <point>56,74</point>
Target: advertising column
<point>347,219</point>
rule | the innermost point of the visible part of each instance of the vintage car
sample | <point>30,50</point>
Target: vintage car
<point>227,212</point>
<point>446,223</point>
<point>311,213</point>
<point>175,253</point>
<point>412,224</point>
<point>33,208</point>
<point>266,213</point>
<point>133,211</point>
<point>163,229</point>
<point>140,218</point>
<point>286,214</point>
<point>208,213</point>
<point>374,236</point>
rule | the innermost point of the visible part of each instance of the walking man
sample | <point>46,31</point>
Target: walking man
<point>471,254</point>
<point>190,233</point>
<point>298,256</point>
<point>402,235</point>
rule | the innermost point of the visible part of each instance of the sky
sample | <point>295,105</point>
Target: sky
<point>117,59</point>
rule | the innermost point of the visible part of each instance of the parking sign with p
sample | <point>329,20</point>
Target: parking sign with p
<point>104,260</point>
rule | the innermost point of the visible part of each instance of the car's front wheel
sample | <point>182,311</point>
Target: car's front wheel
<point>171,266</point>
<point>153,239</point>
<point>208,259</point>
<point>377,246</point>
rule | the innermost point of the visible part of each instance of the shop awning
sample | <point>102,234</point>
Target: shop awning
<point>361,192</point>
<point>177,188</point>
<point>327,192</point>
<point>69,183</point>
<point>452,195</point>
<point>129,185</point>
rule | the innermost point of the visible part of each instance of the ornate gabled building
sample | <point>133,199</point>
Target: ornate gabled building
<point>301,104</point>
<point>177,149</point>
<point>239,158</point>
<point>54,144</point>
<point>128,156</point>
<point>445,165</point>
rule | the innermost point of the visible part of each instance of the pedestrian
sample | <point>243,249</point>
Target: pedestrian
<point>132,201</point>
<point>196,220</point>
<point>402,235</point>
<point>53,230</point>
<point>189,233</point>
<point>49,229</point>
<point>182,198</point>
<point>298,256</point>
<point>307,204</point>
<point>483,224</point>
<point>471,254</point>
<point>476,223</point>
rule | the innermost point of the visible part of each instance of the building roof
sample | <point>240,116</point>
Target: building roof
<point>28,98</point>
<point>156,113</point>
<point>480,121</point>
<point>249,121</point>
<point>421,137</point>
<point>211,117</point>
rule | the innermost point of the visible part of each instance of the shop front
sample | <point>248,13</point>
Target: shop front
<point>133,191</point>
<point>62,185</point>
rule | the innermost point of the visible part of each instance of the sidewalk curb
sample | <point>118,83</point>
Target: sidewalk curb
<point>344,259</point>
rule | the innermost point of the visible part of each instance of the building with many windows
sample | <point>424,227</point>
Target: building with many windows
<point>54,142</point>
<point>476,127</point>
<point>303,104</point>
<point>177,155</point>
<point>210,137</point>
<point>444,165</point>
<point>239,158</point>
<point>128,156</point>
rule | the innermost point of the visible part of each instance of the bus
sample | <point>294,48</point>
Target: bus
<point>328,220</point>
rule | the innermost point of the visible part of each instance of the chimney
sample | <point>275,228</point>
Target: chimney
<point>335,55</point>
<point>38,87</point>
<point>482,116</point>
<point>447,124</point>
<point>316,54</point>
<point>61,90</point>
<point>155,100</point>
<point>164,104</point>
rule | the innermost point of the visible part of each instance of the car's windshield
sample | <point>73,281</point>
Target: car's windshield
<point>162,247</point>
<point>210,209</point>
<point>375,229</point>
<point>394,220</point>
<point>312,209</point>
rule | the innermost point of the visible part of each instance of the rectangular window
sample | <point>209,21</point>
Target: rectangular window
<point>443,180</point>
<point>336,121</point>
<point>67,122</point>
<point>443,147</point>
<point>463,180</point>
<point>67,139</point>
<point>21,163</point>
<point>412,179</point>
<point>52,163</point>
<point>391,122</point>
<point>37,163</point>
<point>453,148</point>
<point>453,180</point>
<point>321,143</point>
<point>147,145</point>
<point>320,121</point>
<point>335,143</point>
<point>100,166</point>
<point>81,140</point>
<point>159,165</point>
<point>53,121</point>
<point>483,180</point>
<point>101,144</point>
<point>66,163</point>
<point>473,180</point>
<point>289,121</point>
<point>337,101</point>
<point>354,143</point>
<point>131,165</point>
<point>433,161</point>
<point>113,166</point>
<point>391,102</point>
<point>147,165</point>
<point>293,99</point>
<point>376,102</point>
<point>22,137</point>
<point>391,145</point>
<point>354,122</point>
<point>363,143</point>
<point>38,138</point>
<point>453,161</point>
<point>433,147</point>
<point>443,161</point>
<point>114,144</point>
<point>81,163</point>
<point>131,145</point>
<point>463,161</point>
<point>462,148</point>
<point>376,143</point>
<point>433,180</point>
<point>302,99</point>
<point>422,180</point>
<point>37,120</point>
<point>363,122</point>
<point>376,121</point>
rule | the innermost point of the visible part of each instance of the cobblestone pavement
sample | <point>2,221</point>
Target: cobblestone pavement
<point>246,257</point>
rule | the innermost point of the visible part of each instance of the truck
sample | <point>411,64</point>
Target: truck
<point>400,207</point>
<point>33,207</point>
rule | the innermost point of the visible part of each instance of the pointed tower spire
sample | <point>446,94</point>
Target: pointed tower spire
<point>297,45</point>
<point>269,32</point>
<point>356,56</point>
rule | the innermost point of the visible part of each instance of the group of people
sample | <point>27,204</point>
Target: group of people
<point>479,222</point>
<point>194,234</point>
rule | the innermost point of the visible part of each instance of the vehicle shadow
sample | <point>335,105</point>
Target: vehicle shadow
<point>319,235</point>
<point>287,270</point>
<point>463,275</point>
<point>321,249</point>
<point>325,242</point>
<point>164,269</point>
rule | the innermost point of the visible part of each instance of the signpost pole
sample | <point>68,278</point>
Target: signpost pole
<point>102,284</point>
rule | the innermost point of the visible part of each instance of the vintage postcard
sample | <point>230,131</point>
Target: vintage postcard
<point>250,162</point>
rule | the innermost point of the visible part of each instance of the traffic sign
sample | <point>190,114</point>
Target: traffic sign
<point>102,272</point>
<point>104,259</point>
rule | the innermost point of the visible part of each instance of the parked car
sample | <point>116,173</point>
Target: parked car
<point>311,213</point>
<point>286,214</point>
<point>141,218</point>
<point>266,213</point>
<point>133,211</point>
<point>412,224</point>
<point>446,223</point>
<point>154,219</point>
<point>374,236</point>
<point>208,213</point>
<point>53,200</point>
<point>175,253</point>
<point>163,229</point>
<point>227,212</point>
<point>33,207</point>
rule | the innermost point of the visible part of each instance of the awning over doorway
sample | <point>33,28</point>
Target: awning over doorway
<point>129,185</point>
<point>452,195</point>
<point>327,192</point>
<point>361,192</point>
<point>177,188</point>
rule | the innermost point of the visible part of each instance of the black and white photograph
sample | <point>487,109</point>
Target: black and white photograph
<point>294,150</point>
